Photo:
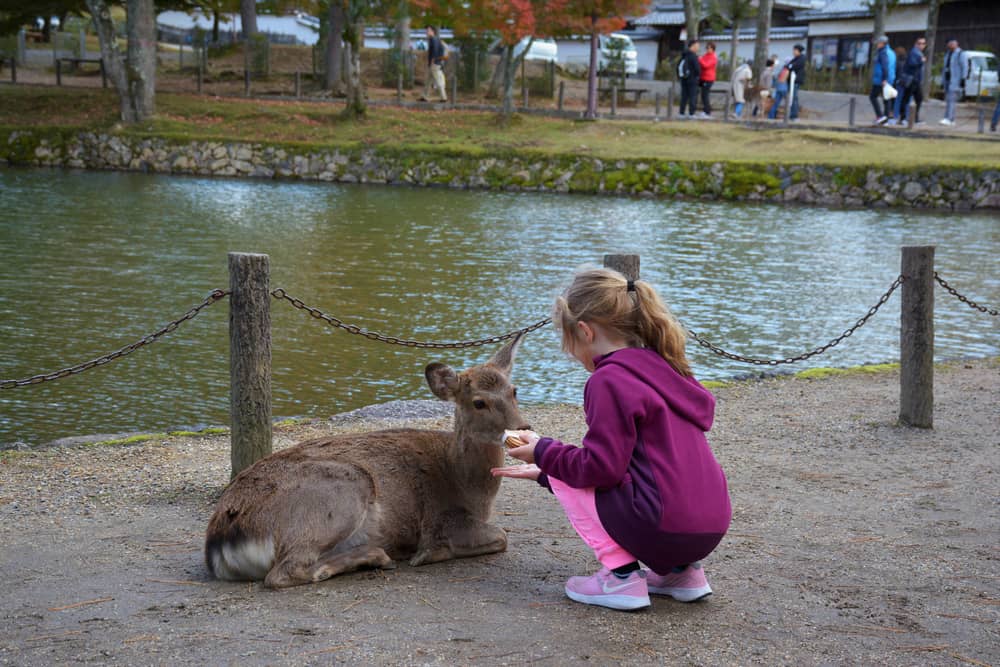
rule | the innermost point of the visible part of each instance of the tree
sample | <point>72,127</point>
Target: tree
<point>248,16</point>
<point>692,17</point>
<point>334,55</point>
<point>763,43</point>
<point>933,10</point>
<point>732,13</point>
<point>134,72</point>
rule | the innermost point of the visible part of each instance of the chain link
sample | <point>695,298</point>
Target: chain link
<point>280,294</point>
<point>972,304</point>
<point>812,353</point>
<point>213,296</point>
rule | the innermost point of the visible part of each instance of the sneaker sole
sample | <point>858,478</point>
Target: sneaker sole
<point>683,594</point>
<point>620,602</point>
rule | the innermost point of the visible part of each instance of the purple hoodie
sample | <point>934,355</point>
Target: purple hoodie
<point>660,493</point>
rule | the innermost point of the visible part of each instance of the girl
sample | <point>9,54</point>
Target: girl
<point>644,486</point>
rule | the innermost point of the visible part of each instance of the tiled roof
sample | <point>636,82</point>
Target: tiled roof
<point>845,9</point>
<point>660,18</point>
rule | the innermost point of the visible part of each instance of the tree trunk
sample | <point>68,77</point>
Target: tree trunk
<point>141,70</point>
<point>248,17</point>
<point>509,72</point>
<point>933,10</point>
<point>881,7</point>
<point>763,43</point>
<point>133,74</point>
<point>733,45</point>
<point>497,79</point>
<point>357,107</point>
<point>692,17</point>
<point>334,77</point>
<point>591,113</point>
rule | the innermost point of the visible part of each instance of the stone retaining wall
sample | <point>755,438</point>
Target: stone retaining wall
<point>931,187</point>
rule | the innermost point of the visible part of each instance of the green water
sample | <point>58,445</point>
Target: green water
<point>94,261</point>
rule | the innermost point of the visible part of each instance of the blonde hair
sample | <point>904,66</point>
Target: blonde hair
<point>601,296</point>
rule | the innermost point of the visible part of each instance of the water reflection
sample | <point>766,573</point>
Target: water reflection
<point>94,261</point>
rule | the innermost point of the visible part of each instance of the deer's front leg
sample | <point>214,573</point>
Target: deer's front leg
<point>460,537</point>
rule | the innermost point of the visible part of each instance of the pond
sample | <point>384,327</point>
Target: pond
<point>95,261</point>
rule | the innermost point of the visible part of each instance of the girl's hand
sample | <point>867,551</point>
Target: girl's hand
<point>525,452</point>
<point>526,471</point>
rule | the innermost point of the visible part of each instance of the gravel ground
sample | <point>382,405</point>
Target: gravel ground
<point>854,541</point>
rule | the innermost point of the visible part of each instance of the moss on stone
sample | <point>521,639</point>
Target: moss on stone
<point>740,181</point>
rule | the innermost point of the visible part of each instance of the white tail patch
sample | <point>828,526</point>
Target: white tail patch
<point>249,559</point>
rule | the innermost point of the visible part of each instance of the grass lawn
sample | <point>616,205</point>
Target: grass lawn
<point>478,133</point>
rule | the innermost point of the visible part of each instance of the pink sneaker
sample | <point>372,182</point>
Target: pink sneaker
<point>687,585</point>
<point>607,590</point>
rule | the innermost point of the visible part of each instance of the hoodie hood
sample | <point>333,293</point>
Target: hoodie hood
<point>685,395</point>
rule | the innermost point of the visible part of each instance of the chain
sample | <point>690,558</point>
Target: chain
<point>972,304</point>
<point>213,296</point>
<point>393,340</point>
<point>802,357</point>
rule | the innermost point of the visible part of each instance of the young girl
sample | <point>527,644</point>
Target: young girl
<point>645,485</point>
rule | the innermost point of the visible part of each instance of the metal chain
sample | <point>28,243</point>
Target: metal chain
<point>279,293</point>
<point>972,304</point>
<point>802,357</point>
<point>213,296</point>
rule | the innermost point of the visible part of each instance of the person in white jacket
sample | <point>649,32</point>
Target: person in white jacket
<point>741,78</point>
<point>953,75</point>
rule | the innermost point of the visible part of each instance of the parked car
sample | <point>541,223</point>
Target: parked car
<point>983,77</point>
<point>542,49</point>
<point>620,46</point>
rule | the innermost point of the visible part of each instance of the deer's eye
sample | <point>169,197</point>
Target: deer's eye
<point>479,404</point>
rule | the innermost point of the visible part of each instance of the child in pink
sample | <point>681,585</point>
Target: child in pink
<point>645,486</point>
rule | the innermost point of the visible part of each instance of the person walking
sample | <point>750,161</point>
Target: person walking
<point>740,81</point>
<point>688,73</point>
<point>956,68</point>
<point>796,78</point>
<point>780,90</point>
<point>708,63</point>
<point>883,75</point>
<point>765,82</point>
<point>435,66</point>
<point>910,79</point>
<point>996,116</point>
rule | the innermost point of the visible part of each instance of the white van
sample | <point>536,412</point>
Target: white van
<point>982,79</point>
<point>614,44</point>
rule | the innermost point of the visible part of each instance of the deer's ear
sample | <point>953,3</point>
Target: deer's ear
<point>442,380</point>
<point>503,360</point>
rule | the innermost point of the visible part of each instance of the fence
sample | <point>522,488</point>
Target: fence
<point>250,298</point>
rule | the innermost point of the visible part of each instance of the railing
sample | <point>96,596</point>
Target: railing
<point>250,298</point>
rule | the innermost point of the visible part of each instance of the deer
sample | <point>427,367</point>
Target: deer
<point>336,504</point>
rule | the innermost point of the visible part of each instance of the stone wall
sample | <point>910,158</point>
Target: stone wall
<point>932,187</point>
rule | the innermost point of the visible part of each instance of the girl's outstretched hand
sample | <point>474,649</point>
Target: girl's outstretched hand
<point>523,471</point>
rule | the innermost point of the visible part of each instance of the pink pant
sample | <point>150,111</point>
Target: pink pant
<point>581,509</point>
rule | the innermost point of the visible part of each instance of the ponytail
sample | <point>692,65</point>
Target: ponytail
<point>632,309</point>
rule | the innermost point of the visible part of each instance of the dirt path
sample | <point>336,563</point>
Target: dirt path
<point>854,541</point>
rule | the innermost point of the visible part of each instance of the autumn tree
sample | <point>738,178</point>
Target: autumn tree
<point>732,13</point>
<point>133,72</point>
<point>763,41</point>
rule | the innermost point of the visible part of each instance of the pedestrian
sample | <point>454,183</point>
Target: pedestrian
<point>765,82</point>
<point>883,76</point>
<point>688,73</point>
<point>436,56</point>
<point>780,89</point>
<point>645,486</point>
<point>910,82</point>
<point>708,63</point>
<point>796,78</point>
<point>996,116</point>
<point>956,68</point>
<point>740,80</point>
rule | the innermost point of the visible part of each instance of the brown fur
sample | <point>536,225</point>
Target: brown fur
<point>336,504</point>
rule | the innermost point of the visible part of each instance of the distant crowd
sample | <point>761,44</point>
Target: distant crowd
<point>893,85</point>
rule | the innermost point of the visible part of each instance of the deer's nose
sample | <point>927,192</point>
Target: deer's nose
<point>524,427</point>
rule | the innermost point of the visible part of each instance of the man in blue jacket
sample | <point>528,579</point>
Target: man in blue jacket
<point>956,69</point>
<point>883,74</point>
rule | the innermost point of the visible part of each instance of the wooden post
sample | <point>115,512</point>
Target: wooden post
<point>725,110</point>
<point>850,112</point>
<point>180,58</point>
<point>552,78</point>
<point>614,99</point>
<point>246,82</point>
<point>13,70</point>
<point>399,80</point>
<point>249,359</point>
<point>916,338</point>
<point>656,113</point>
<point>475,72</point>
<point>562,92</point>
<point>982,121</point>
<point>58,72</point>
<point>627,265</point>
<point>454,83</point>
<point>670,102</point>
<point>201,74</point>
